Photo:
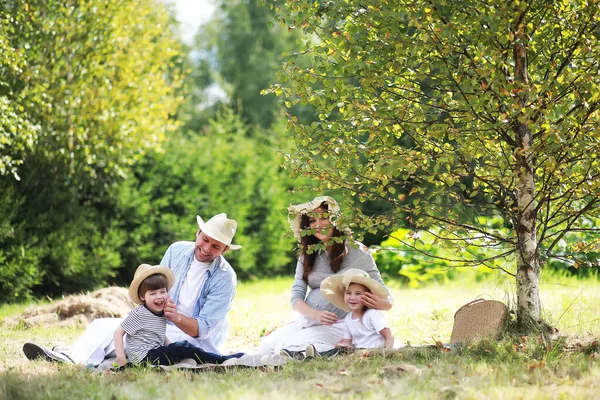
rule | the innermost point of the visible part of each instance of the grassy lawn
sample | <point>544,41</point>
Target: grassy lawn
<point>531,367</point>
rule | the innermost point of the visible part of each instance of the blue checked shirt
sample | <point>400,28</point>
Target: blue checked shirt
<point>214,299</point>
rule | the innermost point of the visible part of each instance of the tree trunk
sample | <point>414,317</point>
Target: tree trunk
<point>528,262</point>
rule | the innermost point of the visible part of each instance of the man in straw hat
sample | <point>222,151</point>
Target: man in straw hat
<point>204,285</point>
<point>199,300</point>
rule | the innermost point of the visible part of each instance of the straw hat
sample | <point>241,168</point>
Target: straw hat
<point>296,212</point>
<point>220,228</point>
<point>144,271</point>
<point>334,286</point>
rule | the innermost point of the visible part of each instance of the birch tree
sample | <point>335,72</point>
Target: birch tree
<point>454,113</point>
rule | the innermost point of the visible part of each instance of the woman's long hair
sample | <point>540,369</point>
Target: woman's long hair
<point>337,250</point>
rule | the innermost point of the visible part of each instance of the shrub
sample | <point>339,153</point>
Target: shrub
<point>415,258</point>
<point>223,170</point>
<point>19,258</point>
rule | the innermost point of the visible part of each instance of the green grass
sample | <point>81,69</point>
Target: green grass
<point>531,367</point>
<point>7,310</point>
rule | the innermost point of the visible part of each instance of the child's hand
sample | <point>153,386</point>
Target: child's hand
<point>120,362</point>
<point>344,344</point>
<point>389,338</point>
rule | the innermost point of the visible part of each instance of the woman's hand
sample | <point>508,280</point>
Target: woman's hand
<point>375,302</point>
<point>322,317</point>
<point>326,317</point>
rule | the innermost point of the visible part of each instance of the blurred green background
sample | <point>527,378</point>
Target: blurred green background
<point>115,134</point>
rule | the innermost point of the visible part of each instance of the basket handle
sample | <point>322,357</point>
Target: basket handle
<point>468,304</point>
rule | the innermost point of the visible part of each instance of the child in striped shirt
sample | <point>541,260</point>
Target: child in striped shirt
<point>146,325</point>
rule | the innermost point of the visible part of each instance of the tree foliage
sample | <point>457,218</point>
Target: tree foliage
<point>222,170</point>
<point>85,84</point>
<point>449,111</point>
<point>239,51</point>
<point>18,130</point>
<point>86,88</point>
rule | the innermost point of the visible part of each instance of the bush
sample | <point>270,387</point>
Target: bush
<point>85,90</point>
<point>577,253</point>
<point>68,244</point>
<point>19,258</point>
<point>415,258</point>
<point>223,170</point>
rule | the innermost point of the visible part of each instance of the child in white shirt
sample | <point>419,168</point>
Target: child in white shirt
<point>365,328</point>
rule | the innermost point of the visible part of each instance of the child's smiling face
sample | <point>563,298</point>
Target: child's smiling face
<point>155,300</point>
<point>353,294</point>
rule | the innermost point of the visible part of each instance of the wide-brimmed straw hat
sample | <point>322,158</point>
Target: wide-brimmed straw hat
<point>334,286</point>
<point>144,271</point>
<point>220,228</point>
<point>296,212</point>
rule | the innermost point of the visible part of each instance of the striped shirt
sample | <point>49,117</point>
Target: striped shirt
<point>215,297</point>
<point>145,331</point>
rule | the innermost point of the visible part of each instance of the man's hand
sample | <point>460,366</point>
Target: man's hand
<point>326,317</point>
<point>171,311</point>
<point>187,324</point>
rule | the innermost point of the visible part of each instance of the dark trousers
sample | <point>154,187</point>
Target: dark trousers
<point>175,352</point>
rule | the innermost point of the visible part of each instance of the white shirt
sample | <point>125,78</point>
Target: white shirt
<point>364,331</point>
<point>192,285</point>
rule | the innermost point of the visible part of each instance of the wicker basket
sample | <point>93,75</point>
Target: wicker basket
<point>479,319</point>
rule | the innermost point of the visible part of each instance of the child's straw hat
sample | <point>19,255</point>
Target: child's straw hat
<point>334,286</point>
<point>144,271</point>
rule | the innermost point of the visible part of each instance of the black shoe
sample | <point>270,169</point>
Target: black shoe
<point>295,355</point>
<point>63,350</point>
<point>330,354</point>
<point>311,352</point>
<point>34,352</point>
